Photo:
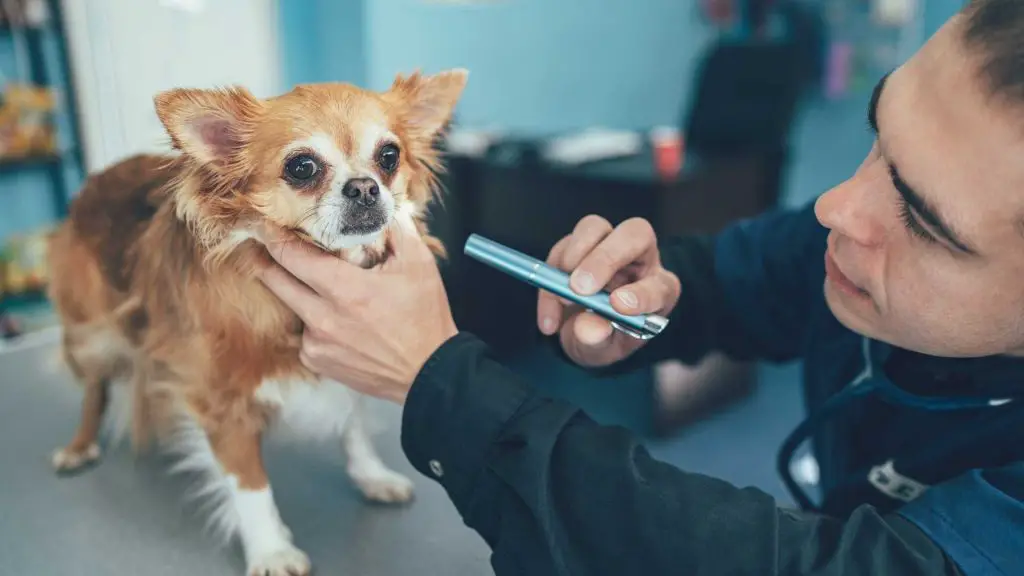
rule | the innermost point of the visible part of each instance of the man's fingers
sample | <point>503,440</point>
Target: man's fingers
<point>631,242</point>
<point>294,294</point>
<point>407,244</point>
<point>653,294</point>
<point>553,312</point>
<point>592,330</point>
<point>304,261</point>
<point>550,308</point>
<point>588,234</point>
<point>555,255</point>
<point>549,313</point>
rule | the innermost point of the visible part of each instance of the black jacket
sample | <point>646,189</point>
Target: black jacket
<point>918,479</point>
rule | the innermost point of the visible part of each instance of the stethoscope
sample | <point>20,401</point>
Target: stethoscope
<point>870,382</point>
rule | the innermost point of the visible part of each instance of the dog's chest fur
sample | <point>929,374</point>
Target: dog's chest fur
<point>308,410</point>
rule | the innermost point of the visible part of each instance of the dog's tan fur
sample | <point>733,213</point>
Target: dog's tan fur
<point>154,272</point>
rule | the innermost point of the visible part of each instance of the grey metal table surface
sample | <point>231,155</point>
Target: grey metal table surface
<point>128,515</point>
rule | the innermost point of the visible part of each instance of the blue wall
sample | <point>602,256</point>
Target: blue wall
<point>539,65</point>
<point>938,11</point>
<point>323,41</point>
<point>832,138</point>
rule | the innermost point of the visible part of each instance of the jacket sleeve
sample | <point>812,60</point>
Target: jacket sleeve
<point>552,492</point>
<point>746,291</point>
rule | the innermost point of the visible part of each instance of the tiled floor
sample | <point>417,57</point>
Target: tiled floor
<point>125,516</point>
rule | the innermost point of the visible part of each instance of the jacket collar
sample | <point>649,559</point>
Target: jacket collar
<point>924,375</point>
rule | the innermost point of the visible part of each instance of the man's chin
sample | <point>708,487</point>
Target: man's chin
<point>849,315</point>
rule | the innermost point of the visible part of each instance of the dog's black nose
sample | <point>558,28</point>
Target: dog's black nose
<point>363,190</point>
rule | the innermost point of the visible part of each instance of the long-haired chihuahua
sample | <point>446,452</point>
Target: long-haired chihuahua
<point>154,277</point>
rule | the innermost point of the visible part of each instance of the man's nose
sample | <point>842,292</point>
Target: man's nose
<point>364,191</point>
<point>854,209</point>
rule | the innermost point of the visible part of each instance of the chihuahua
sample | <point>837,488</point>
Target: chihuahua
<point>154,276</point>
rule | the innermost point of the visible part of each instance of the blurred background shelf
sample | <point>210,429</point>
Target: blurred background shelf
<point>33,162</point>
<point>41,160</point>
<point>27,298</point>
<point>34,55</point>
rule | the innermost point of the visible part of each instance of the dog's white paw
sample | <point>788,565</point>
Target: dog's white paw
<point>288,561</point>
<point>66,460</point>
<point>286,532</point>
<point>383,485</point>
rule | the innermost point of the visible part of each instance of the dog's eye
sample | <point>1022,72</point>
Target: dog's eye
<point>387,158</point>
<point>302,168</point>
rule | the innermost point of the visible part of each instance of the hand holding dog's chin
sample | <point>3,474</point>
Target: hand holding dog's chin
<point>372,330</point>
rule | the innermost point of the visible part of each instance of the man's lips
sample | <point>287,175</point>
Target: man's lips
<point>840,280</point>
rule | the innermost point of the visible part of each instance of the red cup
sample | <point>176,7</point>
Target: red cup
<point>667,143</point>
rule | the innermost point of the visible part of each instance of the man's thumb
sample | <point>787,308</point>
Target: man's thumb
<point>587,339</point>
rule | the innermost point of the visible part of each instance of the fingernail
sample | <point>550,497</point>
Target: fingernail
<point>548,325</point>
<point>628,299</point>
<point>584,281</point>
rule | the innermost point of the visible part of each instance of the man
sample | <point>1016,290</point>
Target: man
<point>902,289</point>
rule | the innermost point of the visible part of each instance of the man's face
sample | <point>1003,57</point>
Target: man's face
<point>926,249</point>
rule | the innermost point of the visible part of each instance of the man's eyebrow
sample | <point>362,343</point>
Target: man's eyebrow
<point>917,202</point>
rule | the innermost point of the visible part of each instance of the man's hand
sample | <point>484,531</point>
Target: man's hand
<point>624,261</point>
<point>369,329</point>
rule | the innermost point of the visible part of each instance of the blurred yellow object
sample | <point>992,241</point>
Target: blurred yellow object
<point>27,121</point>
<point>24,263</point>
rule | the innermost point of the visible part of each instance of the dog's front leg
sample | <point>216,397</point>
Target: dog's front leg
<point>375,480</point>
<point>266,540</point>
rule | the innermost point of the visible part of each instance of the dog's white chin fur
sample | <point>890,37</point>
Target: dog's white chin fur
<point>404,214</point>
<point>330,219</point>
<point>326,231</point>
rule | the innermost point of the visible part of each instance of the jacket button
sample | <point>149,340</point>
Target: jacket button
<point>436,468</point>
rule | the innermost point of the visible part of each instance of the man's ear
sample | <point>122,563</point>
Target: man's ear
<point>427,102</point>
<point>211,126</point>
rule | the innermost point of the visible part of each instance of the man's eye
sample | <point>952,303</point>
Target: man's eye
<point>912,224</point>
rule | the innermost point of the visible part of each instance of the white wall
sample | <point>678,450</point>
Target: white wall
<point>123,52</point>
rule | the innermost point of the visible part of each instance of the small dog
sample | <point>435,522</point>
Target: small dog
<point>154,277</point>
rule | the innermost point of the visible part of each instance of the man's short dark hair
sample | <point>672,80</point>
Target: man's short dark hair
<point>995,30</point>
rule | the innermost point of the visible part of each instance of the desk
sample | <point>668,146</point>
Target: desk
<point>530,205</point>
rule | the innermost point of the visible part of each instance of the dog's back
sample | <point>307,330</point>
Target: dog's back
<point>91,257</point>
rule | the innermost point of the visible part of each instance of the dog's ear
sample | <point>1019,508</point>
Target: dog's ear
<point>426,103</point>
<point>211,126</point>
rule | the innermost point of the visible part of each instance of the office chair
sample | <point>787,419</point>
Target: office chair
<point>744,106</point>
